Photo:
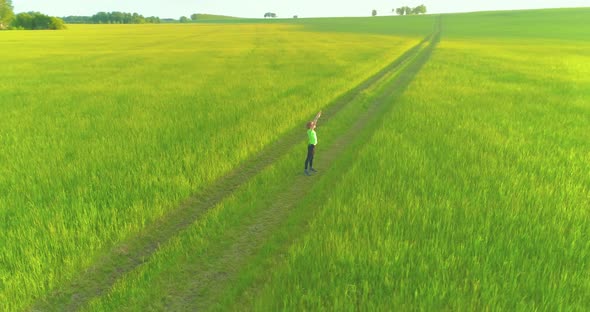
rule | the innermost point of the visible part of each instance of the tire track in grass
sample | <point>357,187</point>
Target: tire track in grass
<point>201,281</point>
<point>125,257</point>
<point>209,284</point>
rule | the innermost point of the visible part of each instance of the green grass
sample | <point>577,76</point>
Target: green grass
<point>562,24</point>
<point>196,252</point>
<point>472,195</point>
<point>386,25</point>
<point>383,25</point>
<point>102,136</point>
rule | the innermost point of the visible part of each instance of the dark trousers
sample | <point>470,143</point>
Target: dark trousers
<point>310,153</point>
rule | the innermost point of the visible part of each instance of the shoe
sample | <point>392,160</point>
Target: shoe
<point>313,170</point>
<point>306,172</point>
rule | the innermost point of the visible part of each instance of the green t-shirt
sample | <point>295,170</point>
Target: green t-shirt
<point>313,138</point>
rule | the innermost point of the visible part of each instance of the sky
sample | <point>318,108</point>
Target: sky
<point>283,8</point>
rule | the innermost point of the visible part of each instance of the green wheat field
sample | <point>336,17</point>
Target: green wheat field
<point>160,167</point>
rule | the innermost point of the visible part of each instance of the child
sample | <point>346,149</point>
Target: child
<point>313,141</point>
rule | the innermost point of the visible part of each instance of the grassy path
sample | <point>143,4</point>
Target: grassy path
<point>255,234</point>
<point>98,279</point>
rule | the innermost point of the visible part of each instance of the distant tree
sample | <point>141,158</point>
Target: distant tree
<point>153,20</point>
<point>56,23</point>
<point>183,19</point>
<point>194,16</point>
<point>23,21</point>
<point>6,13</point>
<point>41,21</point>
<point>406,10</point>
<point>270,14</point>
<point>117,18</point>
<point>295,16</point>
<point>78,19</point>
<point>421,9</point>
<point>374,13</point>
<point>100,18</point>
<point>138,19</point>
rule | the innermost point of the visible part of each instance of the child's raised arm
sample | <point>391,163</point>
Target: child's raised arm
<point>315,121</point>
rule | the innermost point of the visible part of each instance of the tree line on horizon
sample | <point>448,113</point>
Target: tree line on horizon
<point>128,18</point>
<point>113,18</point>
<point>37,20</point>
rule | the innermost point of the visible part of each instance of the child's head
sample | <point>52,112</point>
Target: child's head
<point>310,125</point>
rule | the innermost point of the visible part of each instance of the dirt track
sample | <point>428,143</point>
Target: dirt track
<point>124,258</point>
